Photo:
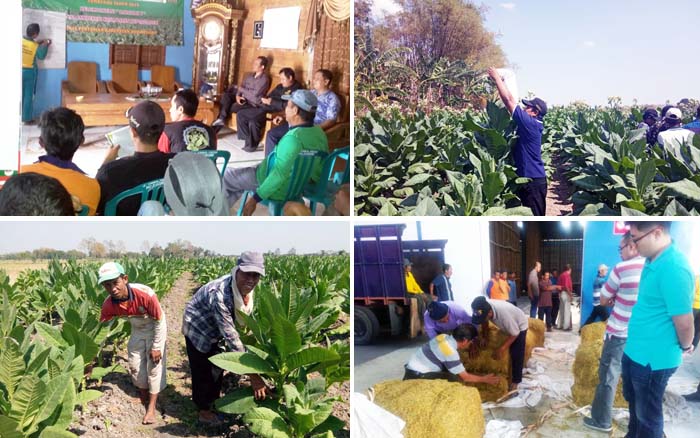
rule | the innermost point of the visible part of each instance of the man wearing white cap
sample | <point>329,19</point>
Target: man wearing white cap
<point>210,317</point>
<point>146,345</point>
<point>270,179</point>
<point>672,138</point>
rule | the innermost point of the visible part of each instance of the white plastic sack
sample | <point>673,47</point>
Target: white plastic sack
<point>368,420</point>
<point>508,77</point>
<point>503,429</point>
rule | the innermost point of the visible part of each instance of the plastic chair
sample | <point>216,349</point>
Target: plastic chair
<point>301,174</point>
<point>325,189</point>
<point>215,155</point>
<point>149,191</point>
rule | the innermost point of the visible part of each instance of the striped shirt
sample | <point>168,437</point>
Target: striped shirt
<point>622,286</point>
<point>439,354</point>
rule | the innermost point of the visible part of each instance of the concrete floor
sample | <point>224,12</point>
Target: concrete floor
<point>91,154</point>
<point>385,360</point>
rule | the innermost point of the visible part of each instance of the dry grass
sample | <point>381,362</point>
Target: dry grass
<point>14,267</point>
<point>433,408</point>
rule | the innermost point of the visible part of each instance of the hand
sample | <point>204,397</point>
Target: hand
<point>497,354</point>
<point>156,356</point>
<point>482,342</point>
<point>259,387</point>
<point>689,352</point>
<point>491,379</point>
<point>240,99</point>
<point>493,74</point>
<point>112,153</point>
<point>266,100</point>
<point>277,120</point>
<point>250,206</point>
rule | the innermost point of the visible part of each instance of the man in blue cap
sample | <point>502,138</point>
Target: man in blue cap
<point>443,317</point>
<point>527,152</point>
<point>272,183</point>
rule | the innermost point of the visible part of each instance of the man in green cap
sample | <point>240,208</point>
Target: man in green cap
<point>146,345</point>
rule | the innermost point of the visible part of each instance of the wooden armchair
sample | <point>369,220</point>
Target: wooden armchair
<point>164,76</point>
<point>82,79</point>
<point>125,79</point>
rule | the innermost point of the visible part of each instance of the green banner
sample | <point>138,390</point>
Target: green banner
<point>146,22</point>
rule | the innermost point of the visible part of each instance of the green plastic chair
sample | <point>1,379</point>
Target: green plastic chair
<point>324,190</point>
<point>149,191</point>
<point>301,174</point>
<point>215,155</point>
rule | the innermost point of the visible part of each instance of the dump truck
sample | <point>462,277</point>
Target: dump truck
<point>382,304</point>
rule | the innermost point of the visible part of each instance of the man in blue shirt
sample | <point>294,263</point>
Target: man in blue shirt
<point>660,329</point>
<point>527,152</point>
<point>441,287</point>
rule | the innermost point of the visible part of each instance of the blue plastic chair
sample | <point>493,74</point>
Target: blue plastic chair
<point>301,174</point>
<point>215,155</point>
<point>149,191</point>
<point>324,190</point>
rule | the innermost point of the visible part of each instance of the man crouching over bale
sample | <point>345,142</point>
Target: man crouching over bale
<point>511,320</point>
<point>146,345</point>
<point>439,359</point>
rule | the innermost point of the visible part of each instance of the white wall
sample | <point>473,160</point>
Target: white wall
<point>467,250</point>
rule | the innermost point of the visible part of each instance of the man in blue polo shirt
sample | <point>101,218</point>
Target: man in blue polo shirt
<point>527,152</point>
<point>440,287</point>
<point>660,328</point>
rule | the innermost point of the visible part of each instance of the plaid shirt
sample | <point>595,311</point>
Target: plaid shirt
<point>209,316</point>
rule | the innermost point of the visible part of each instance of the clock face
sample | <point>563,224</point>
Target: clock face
<point>212,30</point>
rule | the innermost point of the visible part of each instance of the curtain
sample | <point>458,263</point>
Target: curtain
<point>337,10</point>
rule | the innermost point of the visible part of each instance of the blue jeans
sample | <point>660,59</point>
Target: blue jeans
<point>644,389</point>
<point>533,306</point>
<point>609,370</point>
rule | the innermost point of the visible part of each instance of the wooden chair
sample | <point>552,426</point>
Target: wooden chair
<point>164,76</point>
<point>125,79</point>
<point>82,79</point>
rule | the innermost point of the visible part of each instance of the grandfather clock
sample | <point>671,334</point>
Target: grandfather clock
<point>216,43</point>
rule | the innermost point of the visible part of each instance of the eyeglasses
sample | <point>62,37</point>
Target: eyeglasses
<point>643,236</point>
<point>622,248</point>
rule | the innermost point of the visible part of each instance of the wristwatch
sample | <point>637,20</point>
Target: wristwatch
<point>687,348</point>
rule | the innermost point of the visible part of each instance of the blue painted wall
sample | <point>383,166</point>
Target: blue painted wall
<point>601,246</point>
<point>48,88</point>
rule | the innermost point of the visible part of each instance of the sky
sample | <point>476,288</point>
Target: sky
<point>224,237</point>
<point>569,50</point>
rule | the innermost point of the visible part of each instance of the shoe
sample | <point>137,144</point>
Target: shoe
<point>250,149</point>
<point>217,420</point>
<point>218,122</point>
<point>591,424</point>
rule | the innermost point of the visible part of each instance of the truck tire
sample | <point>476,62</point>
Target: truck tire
<point>366,325</point>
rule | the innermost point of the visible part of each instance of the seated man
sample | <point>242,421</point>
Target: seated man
<point>185,133</point>
<point>302,135</point>
<point>251,120</point>
<point>248,94</point>
<point>61,135</point>
<point>147,121</point>
<point>439,359</point>
<point>32,194</point>
<point>326,114</point>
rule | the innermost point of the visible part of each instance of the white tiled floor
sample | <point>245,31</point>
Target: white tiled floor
<point>90,156</point>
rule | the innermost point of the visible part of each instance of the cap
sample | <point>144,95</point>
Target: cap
<point>251,261</point>
<point>407,262</point>
<point>538,104</point>
<point>480,310</point>
<point>304,99</point>
<point>674,114</point>
<point>146,118</point>
<point>192,186</point>
<point>437,310</point>
<point>110,271</point>
<point>650,112</point>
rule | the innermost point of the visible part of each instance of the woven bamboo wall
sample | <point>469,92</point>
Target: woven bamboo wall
<point>506,249</point>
